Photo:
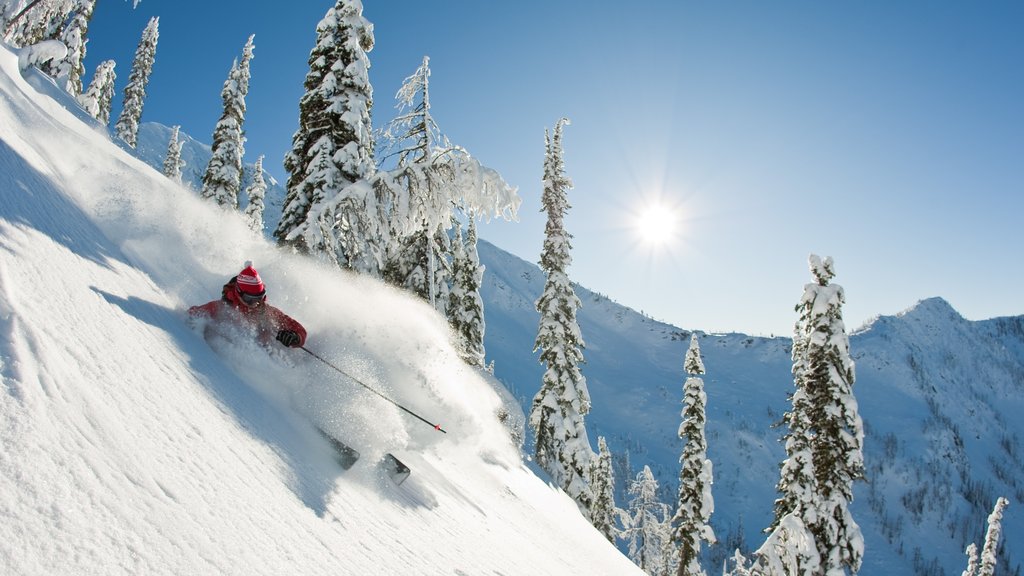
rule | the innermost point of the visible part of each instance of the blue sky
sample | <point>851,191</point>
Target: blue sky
<point>889,136</point>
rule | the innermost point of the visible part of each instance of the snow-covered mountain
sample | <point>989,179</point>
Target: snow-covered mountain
<point>938,395</point>
<point>129,445</point>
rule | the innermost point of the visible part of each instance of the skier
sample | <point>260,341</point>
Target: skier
<point>244,301</point>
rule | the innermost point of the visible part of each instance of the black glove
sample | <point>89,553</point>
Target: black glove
<point>289,338</point>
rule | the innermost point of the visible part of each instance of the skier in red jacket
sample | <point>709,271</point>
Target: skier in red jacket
<point>244,302</point>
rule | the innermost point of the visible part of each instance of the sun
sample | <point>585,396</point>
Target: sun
<point>656,224</point>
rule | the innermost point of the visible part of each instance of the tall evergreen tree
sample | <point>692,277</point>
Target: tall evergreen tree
<point>824,444</point>
<point>333,147</point>
<point>465,306</point>
<point>431,180</point>
<point>556,416</point>
<point>100,94</point>
<point>256,192</point>
<point>127,126</point>
<point>222,181</point>
<point>987,564</point>
<point>604,510</point>
<point>646,529</point>
<point>172,161</point>
<point>69,70</point>
<point>418,260</point>
<point>690,523</point>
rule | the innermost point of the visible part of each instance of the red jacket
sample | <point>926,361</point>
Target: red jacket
<point>266,320</point>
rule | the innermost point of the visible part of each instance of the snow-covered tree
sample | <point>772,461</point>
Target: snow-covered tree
<point>172,161</point>
<point>465,306</point>
<point>256,192</point>
<point>824,444</point>
<point>604,511</point>
<point>987,565</point>
<point>789,550</point>
<point>556,416</point>
<point>431,179</point>
<point>690,524</point>
<point>127,126</point>
<point>646,525</point>
<point>100,94</point>
<point>69,70</point>
<point>222,181</point>
<point>328,198</point>
<point>27,22</point>
<point>416,261</point>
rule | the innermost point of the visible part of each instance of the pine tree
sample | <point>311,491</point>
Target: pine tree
<point>68,71</point>
<point>465,307</point>
<point>324,214</point>
<point>556,416</point>
<point>256,193</point>
<point>431,180</point>
<point>173,162</point>
<point>222,181</point>
<point>417,260</point>
<point>690,523</point>
<point>824,444</point>
<point>647,525</point>
<point>127,127</point>
<point>28,23</point>
<point>604,511</point>
<point>987,564</point>
<point>100,94</point>
<point>789,550</point>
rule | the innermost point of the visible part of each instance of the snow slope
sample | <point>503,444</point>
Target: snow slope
<point>130,445</point>
<point>940,396</point>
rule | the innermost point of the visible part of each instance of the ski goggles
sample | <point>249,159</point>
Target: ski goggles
<point>252,299</point>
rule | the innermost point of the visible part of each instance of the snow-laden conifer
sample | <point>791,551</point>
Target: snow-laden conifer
<point>986,564</point>
<point>173,161</point>
<point>222,181</point>
<point>256,192</point>
<point>604,511</point>
<point>98,97</point>
<point>789,550</point>
<point>27,22</point>
<point>690,524</point>
<point>69,70</point>
<point>328,198</point>
<point>824,445</point>
<point>415,260</point>
<point>646,524</point>
<point>465,306</point>
<point>431,179</point>
<point>558,409</point>
<point>127,126</point>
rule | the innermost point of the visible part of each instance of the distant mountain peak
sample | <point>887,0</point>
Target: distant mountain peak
<point>935,308</point>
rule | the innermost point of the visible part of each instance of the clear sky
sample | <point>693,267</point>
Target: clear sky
<point>888,135</point>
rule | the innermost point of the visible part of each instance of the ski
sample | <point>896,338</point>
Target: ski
<point>395,469</point>
<point>346,456</point>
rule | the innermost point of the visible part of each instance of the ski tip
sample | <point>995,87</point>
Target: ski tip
<point>395,469</point>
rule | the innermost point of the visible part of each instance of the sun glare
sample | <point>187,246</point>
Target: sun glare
<point>656,225</point>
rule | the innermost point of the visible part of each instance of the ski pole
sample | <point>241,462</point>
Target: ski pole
<point>357,381</point>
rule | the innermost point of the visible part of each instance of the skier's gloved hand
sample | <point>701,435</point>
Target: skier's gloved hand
<point>289,338</point>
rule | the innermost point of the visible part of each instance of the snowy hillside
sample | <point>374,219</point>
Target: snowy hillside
<point>940,397</point>
<point>130,445</point>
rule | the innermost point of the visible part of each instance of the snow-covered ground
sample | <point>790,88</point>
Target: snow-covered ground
<point>129,445</point>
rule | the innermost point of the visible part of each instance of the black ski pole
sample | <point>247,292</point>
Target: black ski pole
<point>357,381</point>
